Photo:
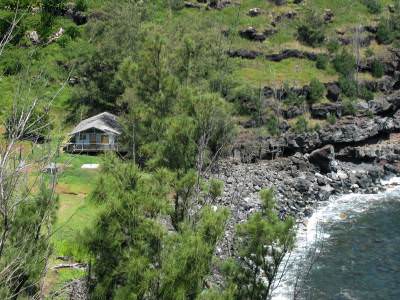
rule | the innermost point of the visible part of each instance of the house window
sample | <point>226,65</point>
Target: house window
<point>82,137</point>
<point>105,139</point>
<point>93,138</point>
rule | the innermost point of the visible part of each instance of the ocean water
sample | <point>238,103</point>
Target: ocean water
<point>348,249</point>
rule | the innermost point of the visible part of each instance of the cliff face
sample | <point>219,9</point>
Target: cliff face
<point>349,131</point>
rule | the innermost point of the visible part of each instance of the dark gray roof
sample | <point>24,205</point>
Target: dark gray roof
<point>104,122</point>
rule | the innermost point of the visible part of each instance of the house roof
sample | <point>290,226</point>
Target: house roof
<point>105,122</point>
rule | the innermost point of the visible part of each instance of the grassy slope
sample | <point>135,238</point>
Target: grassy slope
<point>75,213</point>
<point>348,13</point>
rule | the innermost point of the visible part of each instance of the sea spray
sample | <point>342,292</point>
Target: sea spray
<point>314,236</point>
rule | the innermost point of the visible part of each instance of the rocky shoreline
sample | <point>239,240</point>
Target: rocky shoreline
<point>302,182</point>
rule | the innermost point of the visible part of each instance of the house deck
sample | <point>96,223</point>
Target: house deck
<point>92,148</point>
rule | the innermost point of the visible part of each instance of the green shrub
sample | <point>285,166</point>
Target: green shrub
<point>15,4</point>
<point>312,30</point>
<point>333,46</point>
<point>54,7</point>
<point>272,124</point>
<point>377,69</point>
<point>50,9</point>
<point>72,31</point>
<point>215,188</point>
<point>385,33</point>
<point>322,61</point>
<point>349,106</point>
<point>222,84</point>
<point>292,97</point>
<point>63,41</point>
<point>12,66</point>
<point>6,20</point>
<point>176,4</point>
<point>317,127</point>
<point>348,86</point>
<point>246,98</point>
<point>331,118</point>
<point>369,52</point>
<point>344,63</point>
<point>311,36</point>
<point>396,44</point>
<point>316,92</point>
<point>374,6</point>
<point>365,94</point>
<point>81,5</point>
<point>301,125</point>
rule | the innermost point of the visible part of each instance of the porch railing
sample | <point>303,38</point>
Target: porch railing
<point>76,147</point>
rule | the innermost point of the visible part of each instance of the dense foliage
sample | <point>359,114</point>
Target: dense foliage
<point>135,256</point>
<point>262,243</point>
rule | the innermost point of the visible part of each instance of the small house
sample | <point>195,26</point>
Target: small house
<point>99,133</point>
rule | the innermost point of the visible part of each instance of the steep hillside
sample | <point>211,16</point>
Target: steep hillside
<point>193,82</point>
<point>254,33</point>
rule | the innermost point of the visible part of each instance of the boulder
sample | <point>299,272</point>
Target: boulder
<point>80,18</point>
<point>192,5</point>
<point>328,16</point>
<point>268,92</point>
<point>254,12</point>
<point>73,13</point>
<point>284,126</point>
<point>333,91</point>
<point>321,111</point>
<point>285,16</point>
<point>386,84</point>
<point>33,36</point>
<point>323,157</point>
<point>220,4</point>
<point>55,36</point>
<point>393,168</point>
<point>394,100</point>
<point>251,33</point>
<point>280,2</point>
<point>371,29</point>
<point>244,53</point>
<point>341,31</point>
<point>380,106</point>
<point>325,192</point>
<point>291,53</point>
<point>386,152</point>
<point>292,112</point>
<point>302,185</point>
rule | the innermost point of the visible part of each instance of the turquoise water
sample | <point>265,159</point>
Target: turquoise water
<point>361,257</point>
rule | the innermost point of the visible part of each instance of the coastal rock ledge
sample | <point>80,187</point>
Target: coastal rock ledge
<point>301,181</point>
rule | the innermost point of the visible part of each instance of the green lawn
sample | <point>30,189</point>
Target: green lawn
<point>76,212</point>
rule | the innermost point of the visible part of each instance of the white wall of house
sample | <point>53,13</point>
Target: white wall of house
<point>85,138</point>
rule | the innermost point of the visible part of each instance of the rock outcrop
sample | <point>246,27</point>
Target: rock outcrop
<point>323,158</point>
<point>254,12</point>
<point>347,131</point>
<point>277,57</point>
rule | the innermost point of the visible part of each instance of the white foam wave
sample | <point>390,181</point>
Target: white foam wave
<point>310,236</point>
